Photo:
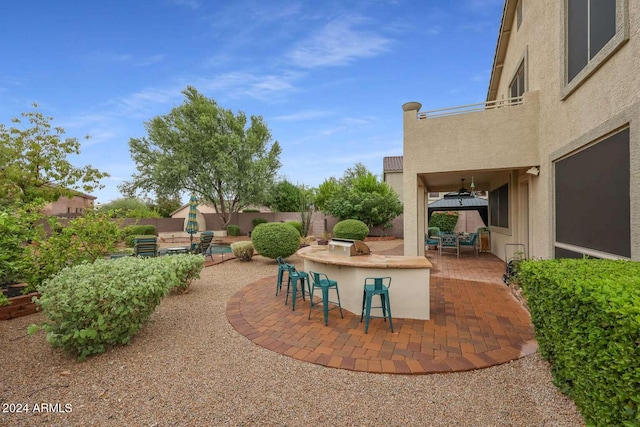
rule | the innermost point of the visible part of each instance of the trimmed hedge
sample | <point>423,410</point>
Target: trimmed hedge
<point>135,230</point>
<point>257,221</point>
<point>275,239</point>
<point>586,315</point>
<point>445,221</point>
<point>351,229</point>
<point>233,230</point>
<point>242,250</point>
<point>93,307</point>
<point>297,225</point>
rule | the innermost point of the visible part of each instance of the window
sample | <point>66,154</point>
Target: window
<point>590,26</point>
<point>519,14</point>
<point>516,88</point>
<point>434,194</point>
<point>499,207</point>
<point>585,223</point>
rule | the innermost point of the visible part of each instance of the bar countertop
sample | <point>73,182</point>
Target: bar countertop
<point>320,254</point>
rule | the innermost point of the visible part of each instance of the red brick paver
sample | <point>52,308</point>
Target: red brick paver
<point>475,323</point>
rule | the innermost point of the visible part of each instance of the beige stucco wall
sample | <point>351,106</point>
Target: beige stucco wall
<point>63,205</point>
<point>394,180</point>
<point>551,123</point>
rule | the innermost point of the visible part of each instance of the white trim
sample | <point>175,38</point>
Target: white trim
<point>589,252</point>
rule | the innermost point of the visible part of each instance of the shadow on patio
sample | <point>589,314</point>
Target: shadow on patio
<point>475,323</point>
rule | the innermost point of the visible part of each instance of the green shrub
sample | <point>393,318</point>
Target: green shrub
<point>242,250</point>
<point>445,221</point>
<point>92,307</point>
<point>350,229</point>
<point>257,221</point>
<point>187,268</point>
<point>275,239</point>
<point>131,231</point>
<point>233,230</point>
<point>586,315</point>
<point>295,224</point>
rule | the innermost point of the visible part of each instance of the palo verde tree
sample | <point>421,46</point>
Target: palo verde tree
<point>202,148</point>
<point>34,165</point>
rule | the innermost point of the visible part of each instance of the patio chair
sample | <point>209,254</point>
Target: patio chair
<point>283,267</point>
<point>145,246</point>
<point>449,241</point>
<point>471,242</point>
<point>201,247</point>
<point>431,238</point>
<point>320,280</point>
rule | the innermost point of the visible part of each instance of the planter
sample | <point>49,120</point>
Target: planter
<point>19,306</point>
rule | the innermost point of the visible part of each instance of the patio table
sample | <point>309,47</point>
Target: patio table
<point>177,250</point>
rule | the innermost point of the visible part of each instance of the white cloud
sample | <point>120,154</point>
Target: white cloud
<point>259,86</point>
<point>150,60</point>
<point>304,115</point>
<point>338,43</point>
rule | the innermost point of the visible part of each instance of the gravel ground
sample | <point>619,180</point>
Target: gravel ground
<point>189,367</point>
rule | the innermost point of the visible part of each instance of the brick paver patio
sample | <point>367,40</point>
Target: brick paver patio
<point>475,323</point>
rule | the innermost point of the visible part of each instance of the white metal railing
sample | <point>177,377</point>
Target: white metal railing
<point>470,108</point>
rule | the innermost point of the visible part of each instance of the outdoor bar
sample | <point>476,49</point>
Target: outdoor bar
<point>409,291</point>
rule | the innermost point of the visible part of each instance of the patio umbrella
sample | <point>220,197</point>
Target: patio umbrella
<point>192,223</point>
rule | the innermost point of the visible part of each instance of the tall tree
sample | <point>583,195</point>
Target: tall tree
<point>34,164</point>
<point>285,197</point>
<point>202,148</point>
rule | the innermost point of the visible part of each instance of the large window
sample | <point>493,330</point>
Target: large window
<point>516,88</point>
<point>592,198</point>
<point>499,207</point>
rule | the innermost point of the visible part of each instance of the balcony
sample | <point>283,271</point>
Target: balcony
<point>498,135</point>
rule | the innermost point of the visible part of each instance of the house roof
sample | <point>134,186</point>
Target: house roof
<point>508,13</point>
<point>392,164</point>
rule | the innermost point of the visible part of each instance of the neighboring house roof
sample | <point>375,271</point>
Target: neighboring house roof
<point>508,13</point>
<point>392,164</point>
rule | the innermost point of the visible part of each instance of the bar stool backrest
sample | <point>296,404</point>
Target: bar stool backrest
<point>379,283</point>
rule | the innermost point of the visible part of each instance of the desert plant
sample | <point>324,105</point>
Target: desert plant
<point>351,229</point>
<point>275,239</point>
<point>233,230</point>
<point>187,268</point>
<point>130,231</point>
<point>242,250</point>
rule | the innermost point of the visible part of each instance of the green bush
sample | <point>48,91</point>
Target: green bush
<point>350,229</point>
<point>295,224</point>
<point>233,230</point>
<point>445,221</point>
<point>275,239</point>
<point>92,307</point>
<point>187,268</point>
<point>242,250</point>
<point>131,231</point>
<point>257,221</point>
<point>586,315</point>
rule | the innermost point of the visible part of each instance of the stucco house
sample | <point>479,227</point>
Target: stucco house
<point>76,205</point>
<point>557,143</point>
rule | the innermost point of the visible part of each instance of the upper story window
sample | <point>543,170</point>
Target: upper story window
<point>593,31</point>
<point>516,88</point>
<point>519,14</point>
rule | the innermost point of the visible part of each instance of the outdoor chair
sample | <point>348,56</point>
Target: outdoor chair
<point>283,267</point>
<point>449,241</point>
<point>320,280</point>
<point>201,247</point>
<point>145,246</point>
<point>471,242</point>
<point>376,286</point>
<point>431,238</point>
<point>292,285</point>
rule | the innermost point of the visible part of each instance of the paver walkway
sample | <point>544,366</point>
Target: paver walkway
<point>475,323</point>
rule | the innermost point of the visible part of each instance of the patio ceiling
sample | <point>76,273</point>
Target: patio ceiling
<point>451,181</point>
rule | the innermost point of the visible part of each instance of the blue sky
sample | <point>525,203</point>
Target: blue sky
<point>329,77</point>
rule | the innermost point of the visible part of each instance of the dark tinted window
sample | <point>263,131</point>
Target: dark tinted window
<point>592,197</point>
<point>499,206</point>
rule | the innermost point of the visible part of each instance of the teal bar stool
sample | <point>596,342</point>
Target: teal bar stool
<point>376,286</point>
<point>320,280</point>
<point>292,285</point>
<point>282,268</point>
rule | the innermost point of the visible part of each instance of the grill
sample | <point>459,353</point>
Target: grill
<point>348,247</point>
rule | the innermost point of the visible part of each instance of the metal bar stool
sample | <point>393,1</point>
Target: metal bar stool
<point>320,280</point>
<point>282,267</point>
<point>376,286</point>
<point>294,276</point>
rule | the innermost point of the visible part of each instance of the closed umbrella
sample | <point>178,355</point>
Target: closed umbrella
<point>192,222</point>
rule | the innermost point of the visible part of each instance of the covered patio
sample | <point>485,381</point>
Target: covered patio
<point>475,323</point>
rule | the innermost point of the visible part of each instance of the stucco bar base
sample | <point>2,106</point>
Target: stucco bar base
<point>409,292</point>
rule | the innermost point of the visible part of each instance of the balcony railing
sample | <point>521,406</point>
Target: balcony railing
<point>470,108</point>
